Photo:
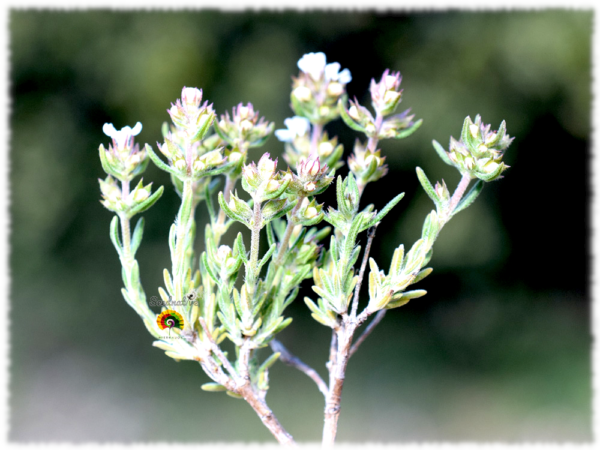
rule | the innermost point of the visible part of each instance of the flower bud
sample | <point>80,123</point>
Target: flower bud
<point>180,164</point>
<point>479,151</point>
<point>353,112</point>
<point>386,94</point>
<point>266,166</point>
<point>191,96</point>
<point>335,89</point>
<point>140,195</point>
<point>302,93</point>
<point>198,166</point>
<point>272,186</point>
<point>311,212</point>
<point>310,186</point>
<point>325,148</point>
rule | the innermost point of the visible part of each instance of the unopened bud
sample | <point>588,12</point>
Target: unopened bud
<point>310,186</point>
<point>370,158</point>
<point>353,112</point>
<point>325,148</point>
<point>243,112</point>
<point>490,167</point>
<point>302,93</point>
<point>235,156</point>
<point>474,129</point>
<point>180,164</point>
<point>391,82</point>
<point>311,212</point>
<point>391,96</point>
<point>273,185</point>
<point>246,125</point>
<point>335,89</point>
<point>140,195</point>
<point>198,165</point>
<point>223,253</point>
<point>315,167</point>
<point>266,166</point>
<point>191,96</point>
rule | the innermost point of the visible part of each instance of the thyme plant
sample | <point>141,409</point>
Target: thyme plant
<point>203,303</point>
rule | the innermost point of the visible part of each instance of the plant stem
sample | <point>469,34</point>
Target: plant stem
<point>218,227</point>
<point>372,144</point>
<point>314,139</point>
<point>378,318</point>
<point>339,356</point>
<point>266,416</point>
<point>459,192</point>
<point>370,237</point>
<point>240,385</point>
<point>288,358</point>
<point>337,377</point>
<point>286,237</point>
<point>254,244</point>
<point>182,228</point>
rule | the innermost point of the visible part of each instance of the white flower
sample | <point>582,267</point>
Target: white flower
<point>313,64</point>
<point>192,96</point>
<point>122,136</point>
<point>296,126</point>
<point>331,73</point>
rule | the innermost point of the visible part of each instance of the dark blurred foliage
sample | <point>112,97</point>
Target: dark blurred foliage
<point>499,349</point>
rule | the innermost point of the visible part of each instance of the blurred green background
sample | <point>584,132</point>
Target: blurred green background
<point>499,349</point>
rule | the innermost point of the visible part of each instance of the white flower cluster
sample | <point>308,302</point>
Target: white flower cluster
<point>315,65</point>
<point>296,127</point>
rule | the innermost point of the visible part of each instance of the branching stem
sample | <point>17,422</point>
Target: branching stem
<point>370,237</point>
<point>378,318</point>
<point>288,358</point>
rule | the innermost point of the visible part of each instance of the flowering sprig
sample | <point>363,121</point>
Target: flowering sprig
<point>318,88</point>
<point>204,294</point>
<point>244,129</point>
<point>479,151</point>
<point>385,97</point>
<point>123,160</point>
<point>366,165</point>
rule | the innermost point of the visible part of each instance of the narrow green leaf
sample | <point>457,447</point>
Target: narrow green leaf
<point>407,132</point>
<point>233,394</point>
<point>213,387</point>
<point>270,235</point>
<point>386,209</point>
<point>209,204</point>
<point>347,119</point>
<point>427,186</point>
<point>106,165</point>
<point>146,204</point>
<point>267,256</point>
<point>230,213</point>
<point>114,234</point>
<point>208,268</point>
<point>138,232</point>
<point>159,162</point>
<point>239,242</point>
<point>422,274</point>
<point>442,153</point>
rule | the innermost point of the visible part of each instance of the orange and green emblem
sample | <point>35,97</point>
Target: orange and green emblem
<point>170,319</point>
